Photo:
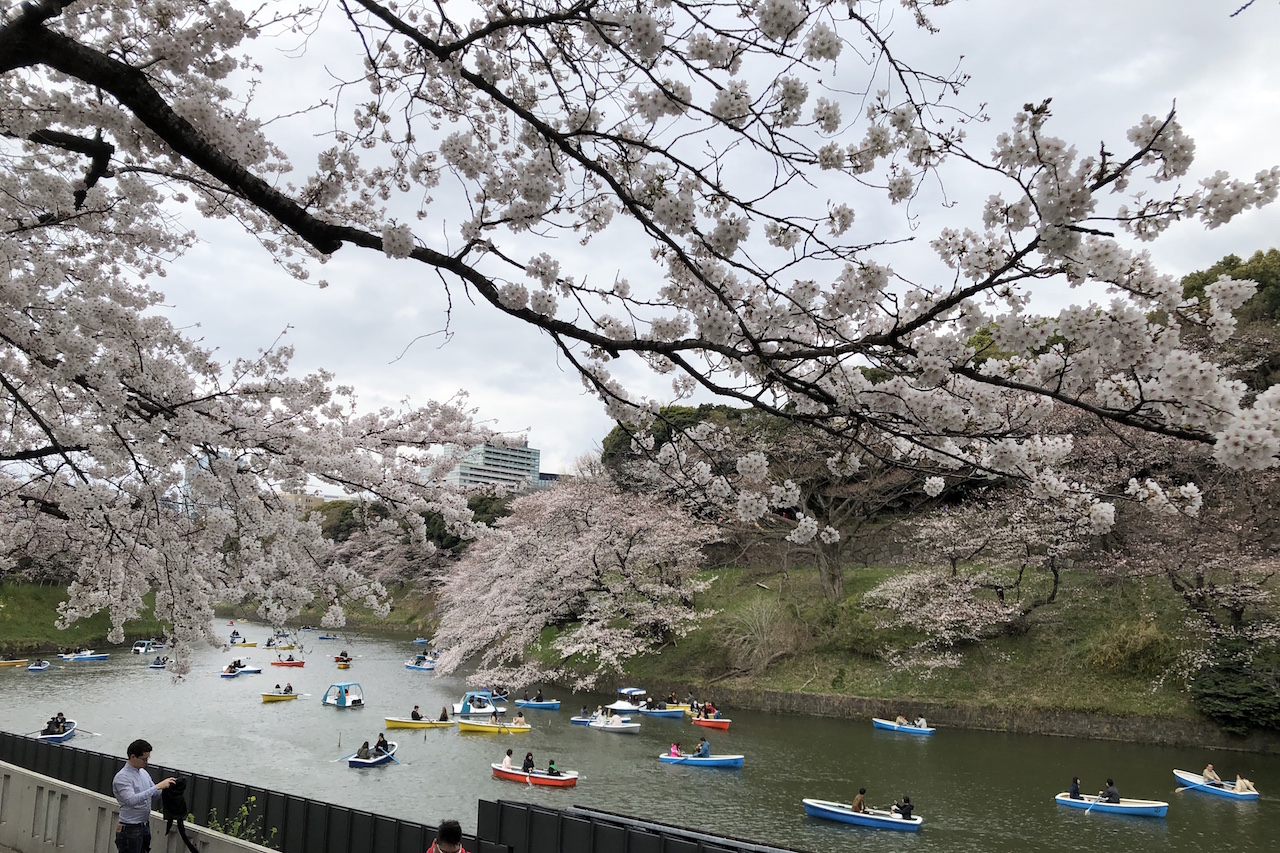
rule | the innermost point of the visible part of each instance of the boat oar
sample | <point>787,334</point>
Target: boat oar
<point>86,731</point>
<point>344,758</point>
<point>1094,803</point>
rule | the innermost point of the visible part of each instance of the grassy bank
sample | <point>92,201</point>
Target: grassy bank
<point>1101,648</point>
<point>412,615</point>
<point>28,613</point>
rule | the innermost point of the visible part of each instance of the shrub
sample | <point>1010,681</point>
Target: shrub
<point>1238,691</point>
<point>1138,647</point>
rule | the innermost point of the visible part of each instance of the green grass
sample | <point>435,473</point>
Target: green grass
<point>28,613</point>
<point>1099,649</point>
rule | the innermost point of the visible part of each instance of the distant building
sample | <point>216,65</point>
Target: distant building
<point>305,504</point>
<point>516,468</point>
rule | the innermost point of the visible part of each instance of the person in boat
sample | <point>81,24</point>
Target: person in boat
<point>1244,786</point>
<point>901,721</point>
<point>518,719</point>
<point>599,712</point>
<point>1210,775</point>
<point>702,712</point>
<point>415,714</point>
<point>585,712</point>
<point>506,761</point>
<point>156,662</point>
<point>382,746</point>
<point>671,698</point>
<point>51,727</point>
<point>290,657</point>
<point>363,751</point>
<point>905,808</point>
<point>288,688</point>
<point>675,750</point>
<point>920,723</point>
<point>270,643</point>
<point>444,713</point>
<point>859,803</point>
<point>538,696</point>
<point>1074,792</point>
<point>526,696</point>
<point>527,766</point>
<point>1111,794</point>
<point>60,723</point>
<point>552,770</point>
<point>278,690</point>
<point>615,720</point>
<point>493,717</point>
<point>235,632</point>
<point>703,750</point>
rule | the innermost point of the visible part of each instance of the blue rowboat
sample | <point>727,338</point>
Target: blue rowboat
<point>154,665</point>
<point>1196,782</point>
<point>1139,808</point>
<point>376,759</point>
<point>545,705</point>
<point>890,725</point>
<point>38,666</point>
<point>878,818</point>
<point>671,713</point>
<point>422,641</point>
<point>65,736</point>
<point>708,761</point>
<point>328,637</point>
<point>429,666</point>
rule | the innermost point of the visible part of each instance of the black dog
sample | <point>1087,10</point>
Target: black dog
<point>173,805</point>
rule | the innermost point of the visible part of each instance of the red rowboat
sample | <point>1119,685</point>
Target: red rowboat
<point>288,663</point>
<point>713,723</point>
<point>566,779</point>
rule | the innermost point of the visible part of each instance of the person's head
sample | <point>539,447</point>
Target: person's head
<point>862,791</point>
<point>364,745</point>
<point>1075,779</point>
<point>528,755</point>
<point>138,752</point>
<point>1208,767</point>
<point>906,799</point>
<point>1110,783</point>
<point>415,707</point>
<point>508,753</point>
<point>449,837</point>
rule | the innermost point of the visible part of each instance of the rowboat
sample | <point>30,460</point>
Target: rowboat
<point>545,705</point>
<point>721,723</point>
<point>328,637</point>
<point>422,641</point>
<point>566,779</point>
<point>679,706</point>
<point>586,721</point>
<point>1142,808</point>
<point>476,703</point>
<point>630,703</point>
<point>288,663</point>
<point>421,663</point>
<point>1197,782</point>
<point>890,725</point>
<point>669,712</point>
<point>409,723</point>
<point>844,813</point>
<point>90,655</point>
<point>22,662</point>
<point>705,761</point>
<point>344,694</point>
<point>241,641</point>
<point>38,666</point>
<point>230,672</point>
<point>154,665</point>
<point>279,697</point>
<point>492,728</point>
<point>618,728</point>
<point>344,665</point>
<point>250,669</point>
<point>280,647</point>
<point>375,759</point>
<point>65,736</point>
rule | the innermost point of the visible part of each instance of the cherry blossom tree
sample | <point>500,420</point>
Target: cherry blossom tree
<point>694,134</point>
<point>613,573</point>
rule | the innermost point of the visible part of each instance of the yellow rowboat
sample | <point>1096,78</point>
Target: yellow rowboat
<point>279,697</point>
<point>491,728</point>
<point>22,662</point>
<point>287,648</point>
<point>683,706</point>
<point>406,723</point>
<point>252,645</point>
<point>344,666</point>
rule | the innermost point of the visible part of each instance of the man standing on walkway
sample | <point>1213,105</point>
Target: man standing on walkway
<point>134,792</point>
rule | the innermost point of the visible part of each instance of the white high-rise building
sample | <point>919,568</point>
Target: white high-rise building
<point>487,465</point>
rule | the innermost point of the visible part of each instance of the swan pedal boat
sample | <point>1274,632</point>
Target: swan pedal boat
<point>65,736</point>
<point>421,663</point>
<point>279,697</point>
<point>714,723</point>
<point>410,723</point>
<point>477,703</point>
<point>632,701</point>
<point>545,705</point>
<point>38,666</point>
<point>706,761</point>
<point>344,694</point>
<point>377,759</point>
<point>844,813</point>
<point>1223,789</point>
<point>616,728</point>
<point>492,728</point>
<point>668,712</point>
<point>1140,808</point>
<point>566,779</point>
<point>891,726</point>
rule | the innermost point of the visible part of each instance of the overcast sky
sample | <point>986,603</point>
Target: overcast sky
<point>1104,64</point>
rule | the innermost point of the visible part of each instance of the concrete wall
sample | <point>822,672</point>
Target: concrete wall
<point>1156,730</point>
<point>39,814</point>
